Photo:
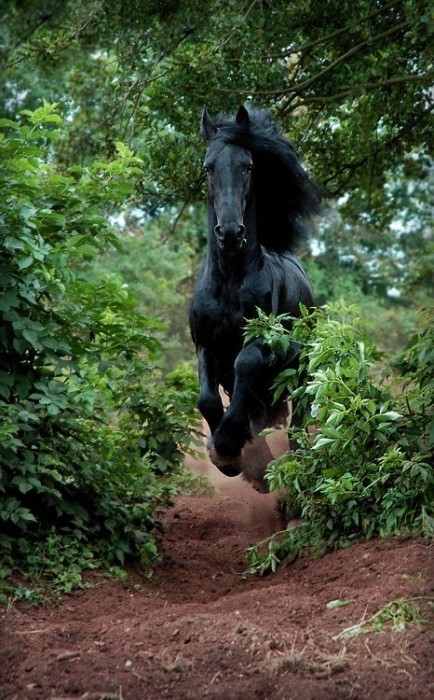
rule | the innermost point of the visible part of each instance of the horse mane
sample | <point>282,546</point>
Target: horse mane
<point>285,197</point>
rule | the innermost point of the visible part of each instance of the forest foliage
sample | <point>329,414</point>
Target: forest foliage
<point>102,227</point>
<point>365,439</point>
<point>90,431</point>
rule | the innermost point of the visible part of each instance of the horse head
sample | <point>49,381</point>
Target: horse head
<point>229,170</point>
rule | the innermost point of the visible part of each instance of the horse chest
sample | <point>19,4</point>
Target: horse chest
<point>228,318</point>
<point>227,308</point>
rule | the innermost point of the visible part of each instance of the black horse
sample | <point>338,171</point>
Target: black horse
<point>258,196</point>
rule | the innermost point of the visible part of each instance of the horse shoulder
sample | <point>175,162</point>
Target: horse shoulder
<point>289,283</point>
<point>256,292</point>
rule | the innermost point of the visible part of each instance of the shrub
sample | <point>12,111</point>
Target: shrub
<point>88,425</point>
<point>363,463</point>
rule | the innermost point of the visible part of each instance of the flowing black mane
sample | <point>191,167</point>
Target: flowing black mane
<point>285,196</point>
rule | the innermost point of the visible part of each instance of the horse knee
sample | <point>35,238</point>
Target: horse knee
<point>210,406</point>
<point>251,359</point>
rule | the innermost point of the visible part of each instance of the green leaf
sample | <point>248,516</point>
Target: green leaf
<point>24,514</point>
<point>321,442</point>
<point>332,604</point>
<point>8,300</point>
<point>32,338</point>
<point>25,262</point>
<point>391,415</point>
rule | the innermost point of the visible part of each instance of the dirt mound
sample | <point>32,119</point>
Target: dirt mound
<point>203,630</point>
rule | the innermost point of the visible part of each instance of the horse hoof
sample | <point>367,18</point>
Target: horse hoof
<point>291,514</point>
<point>229,466</point>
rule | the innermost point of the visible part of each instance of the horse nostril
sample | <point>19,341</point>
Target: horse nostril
<point>242,230</point>
<point>220,235</point>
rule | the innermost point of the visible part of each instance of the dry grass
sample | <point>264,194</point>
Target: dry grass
<point>308,660</point>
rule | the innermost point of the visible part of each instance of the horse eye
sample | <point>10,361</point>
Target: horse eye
<point>207,169</point>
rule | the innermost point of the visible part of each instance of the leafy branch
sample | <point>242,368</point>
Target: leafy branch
<point>382,146</point>
<point>300,87</point>
<point>363,88</point>
<point>358,471</point>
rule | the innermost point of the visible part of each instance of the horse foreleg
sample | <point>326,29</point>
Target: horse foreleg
<point>209,402</point>
<point>211,407</point>
<point>234,429</point>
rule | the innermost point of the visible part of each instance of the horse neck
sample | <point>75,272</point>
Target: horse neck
<point>248,258</point>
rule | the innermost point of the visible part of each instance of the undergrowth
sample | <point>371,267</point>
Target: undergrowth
<point>396,615</point>
<point>91,431</point>
<point>363,463</point>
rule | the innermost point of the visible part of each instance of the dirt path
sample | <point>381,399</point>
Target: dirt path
<point>201,630</point>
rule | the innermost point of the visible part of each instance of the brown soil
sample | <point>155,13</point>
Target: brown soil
<point>202,630</point>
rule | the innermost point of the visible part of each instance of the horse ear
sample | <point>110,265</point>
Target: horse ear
<point>242,116</point>
<point>207,127</point>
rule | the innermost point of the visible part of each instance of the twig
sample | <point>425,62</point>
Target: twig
<point>343,57</point>
<point>215,676</point>
<point>32,631</point>
<point>355,165</point>
<point>68,655</point>
<point>365,87</point>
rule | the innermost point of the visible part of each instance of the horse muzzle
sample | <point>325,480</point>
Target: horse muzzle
<point>230,239</point>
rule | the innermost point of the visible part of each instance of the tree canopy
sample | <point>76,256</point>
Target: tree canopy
<point>351,82</point>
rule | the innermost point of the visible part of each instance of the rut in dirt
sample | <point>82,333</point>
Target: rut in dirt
<point>203,630</point>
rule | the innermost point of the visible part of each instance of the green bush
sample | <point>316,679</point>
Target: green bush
<point>88,425</point>
<point>363,466</point>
